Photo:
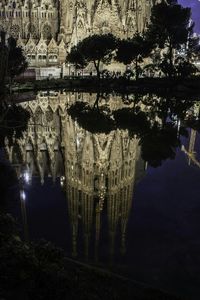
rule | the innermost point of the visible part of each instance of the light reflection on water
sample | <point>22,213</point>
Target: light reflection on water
<point>96,189</point>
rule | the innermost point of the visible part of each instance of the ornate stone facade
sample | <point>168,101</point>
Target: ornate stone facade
<point>47,28</point>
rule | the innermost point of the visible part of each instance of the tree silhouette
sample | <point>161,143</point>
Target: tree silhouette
<point>169,29</point>
<point>95,49</point>
<point>133,51</point>
<point>12,61</point>
<point>13,122</point>
<point>17,63</point>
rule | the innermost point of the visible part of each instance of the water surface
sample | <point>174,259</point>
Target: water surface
<point>115,181</point>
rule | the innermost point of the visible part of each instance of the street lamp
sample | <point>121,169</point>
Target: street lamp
<point>69,69</point>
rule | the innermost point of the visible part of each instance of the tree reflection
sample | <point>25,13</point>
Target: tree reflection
<point>8,178</point>
<point>159,122</point>
<point>159,144</point>
<point>93,119</point>
<point>13,122</point>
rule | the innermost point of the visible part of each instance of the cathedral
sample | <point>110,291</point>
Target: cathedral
<point>46,29</point>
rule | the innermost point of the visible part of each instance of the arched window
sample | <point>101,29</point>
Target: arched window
<point>47,32</point>
<point>15,30</point>
<point>42,57</point>
<point>53,58</point>
<point>31,30</point>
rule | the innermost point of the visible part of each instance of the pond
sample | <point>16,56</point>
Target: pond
<point>115,181</point>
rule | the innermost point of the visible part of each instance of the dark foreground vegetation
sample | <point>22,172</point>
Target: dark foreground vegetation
<point>41,271</point>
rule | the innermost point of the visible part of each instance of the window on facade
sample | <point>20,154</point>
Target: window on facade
<point>53,58</point>
<point>47,32</point>
<point>15,29</point>
<point>42,57</point>
<point>31,29</point>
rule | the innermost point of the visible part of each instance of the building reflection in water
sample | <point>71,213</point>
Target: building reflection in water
<point>100,171</point>
<point>97,171</point>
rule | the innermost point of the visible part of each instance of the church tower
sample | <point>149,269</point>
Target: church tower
<point>67,9</point>
<point>81,18</point>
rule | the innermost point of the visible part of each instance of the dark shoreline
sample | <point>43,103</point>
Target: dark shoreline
<point>180,88</point>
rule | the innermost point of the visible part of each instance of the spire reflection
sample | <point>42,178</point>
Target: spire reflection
<point>100,176</point>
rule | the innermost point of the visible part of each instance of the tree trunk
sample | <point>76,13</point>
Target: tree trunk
<point>96,103</point>
<point>3,63</point>
<point>171,60</point>
<point>97,64</point>
<point>136,69</point>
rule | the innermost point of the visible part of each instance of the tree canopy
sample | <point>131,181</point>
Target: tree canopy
<point>13,122</point>
<point>95,49</point>
<point>169,28</point>
<point>75,57</point>
<point>12,60</point>
<point>133,51</point>
<point>17,63</point>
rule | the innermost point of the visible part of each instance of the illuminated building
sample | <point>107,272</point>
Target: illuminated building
<point>46,29</point>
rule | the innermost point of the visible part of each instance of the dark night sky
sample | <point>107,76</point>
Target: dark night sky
<point>195,5</point>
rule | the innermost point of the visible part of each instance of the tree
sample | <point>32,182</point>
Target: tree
<point>184,68</point>
<point>13,122</point>
<point>12,60</point>
<point>3,61</point>
<point>169,28</point>
<point>93,119</point>
<point>8,179</point>
<point>75,57</point>
<point>159,144</point>
<point>133,51</point>
<point>193,45</point>
<point>96,49</point>
<point>125,51</point>
<point>17,63</point>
